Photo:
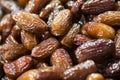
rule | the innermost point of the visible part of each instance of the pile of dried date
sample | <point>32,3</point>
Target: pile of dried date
<point>59,40</point>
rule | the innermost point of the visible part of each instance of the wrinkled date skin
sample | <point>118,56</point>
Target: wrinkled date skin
<point>41,74</point>
<point>9,5</point>
<point>55,12</point>
<point>45,48</point>
<point>34,6</point>
<point>96,50</point>
<point>45,12</point>
<point>68,38</point>
<point>117,44</point>
<point>11,40</point>
<point>12,51</point>
<point>97,6</point>
<point>6,25</point>
<point>60,25</point>
<point>76,9</point>
<point>79,71</point>
<point>98,30</point>
<point>17,67</point>
<point>30,22</point>
<point>29,40</point>
<point>109,17</point>
<point>79,39</point>
<point>61,59</point>
<point>113,69</point>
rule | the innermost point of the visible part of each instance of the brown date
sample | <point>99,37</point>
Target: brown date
<point>61,59</point>
<point>28,39</point>
<point>61,23</point>
<point>22,3</point>
<point>97,6</point>
<point>30,22</point>
<point>68,38</point>
<point>80,71</point>
<point>12,51</point>
<point>112,69</point>
<point>76,9</point>
<point>41,74</point>
<point>6,25</point>
<point>97,50</point>
<point>34,6</point>
<point>11,40</point>
<point>79,39</point>
<point>55,12</point>
<point>45,48</point>
<point>109,17</point>
<point>17,67</point>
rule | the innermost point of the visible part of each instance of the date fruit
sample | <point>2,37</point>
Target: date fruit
<point>98,30</point>
<point>80,71</point>
<point>97,6</point>
<point>110,17</point>
<point>61,23</point>
<point>61,59</point>
<point>45,48</point>
<point>96,50</point>
<point>17,67</point>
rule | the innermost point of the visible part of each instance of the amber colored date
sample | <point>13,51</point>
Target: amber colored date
<point>60,25</point>
<point>30,22</point>
<point>98,30</point>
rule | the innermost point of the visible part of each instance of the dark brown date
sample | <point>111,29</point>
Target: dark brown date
<point>12,51</point>
<point>45,12</point>
<point>97,6</point>
<point>117,44</point>
<point>97,50</point>
<point>28,39</point>
<point>113,69</point>
<point>17,67</point>
<point>45,48</point>
<point>80,71</point>
<point>76,9</point>
<point>68,38</point>
<point>61,59</point>
<point>34,6</point>
<point>79,39</point>
<point>30,22</point>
